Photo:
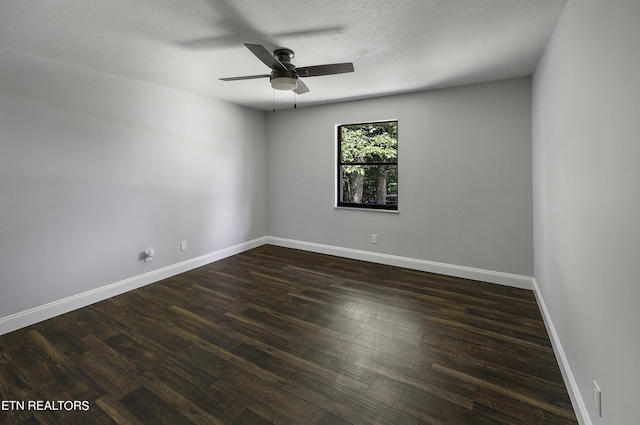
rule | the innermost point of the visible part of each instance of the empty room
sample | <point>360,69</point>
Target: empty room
<point>312,213</point>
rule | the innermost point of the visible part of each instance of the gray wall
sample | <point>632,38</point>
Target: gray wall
<point>94,169</point>
<point>586,156</point>
<point>464,177</point>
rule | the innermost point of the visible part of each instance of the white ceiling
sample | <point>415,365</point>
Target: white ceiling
<point>396,47</point>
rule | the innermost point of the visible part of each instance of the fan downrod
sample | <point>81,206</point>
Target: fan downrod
<point>284,55</point>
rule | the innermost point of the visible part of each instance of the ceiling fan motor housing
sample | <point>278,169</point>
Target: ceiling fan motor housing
<point>284,79</point>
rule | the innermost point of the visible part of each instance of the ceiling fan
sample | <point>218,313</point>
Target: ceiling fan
<point>285,75</point>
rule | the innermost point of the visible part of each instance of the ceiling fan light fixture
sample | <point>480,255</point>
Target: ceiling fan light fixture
<point>284,83</point>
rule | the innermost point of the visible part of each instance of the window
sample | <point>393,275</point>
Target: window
<point>368,165</point>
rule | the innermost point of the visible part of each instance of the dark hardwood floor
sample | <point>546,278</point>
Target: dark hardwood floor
<point>279,336</point>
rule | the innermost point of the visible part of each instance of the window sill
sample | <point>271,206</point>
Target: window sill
<point>367,209</point>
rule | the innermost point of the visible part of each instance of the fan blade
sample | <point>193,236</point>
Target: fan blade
<point>318,70</point>
<point>266,57</point>
<point>302,87</point>
<point>247,77</point>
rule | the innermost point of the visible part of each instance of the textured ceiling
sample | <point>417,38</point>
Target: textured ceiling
<point>395,47</point>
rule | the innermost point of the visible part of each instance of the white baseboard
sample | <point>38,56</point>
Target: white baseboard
<point>65,305</point>
<point>507,279</point>
<point>577,401</point>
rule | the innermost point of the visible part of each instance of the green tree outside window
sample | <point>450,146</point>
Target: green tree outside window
<point>368,165</point>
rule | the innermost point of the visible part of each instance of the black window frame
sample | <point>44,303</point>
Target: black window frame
<point>340,164</point>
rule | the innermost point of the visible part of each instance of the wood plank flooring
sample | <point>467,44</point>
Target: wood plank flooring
<point>280,336</point>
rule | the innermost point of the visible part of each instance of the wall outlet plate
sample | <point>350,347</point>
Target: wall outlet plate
<point>597,398</point>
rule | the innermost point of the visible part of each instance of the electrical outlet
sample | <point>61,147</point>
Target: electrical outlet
<point>183,246</point>
<point>374,238</point>
<point>597,398</point>
<point>148,255</point>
